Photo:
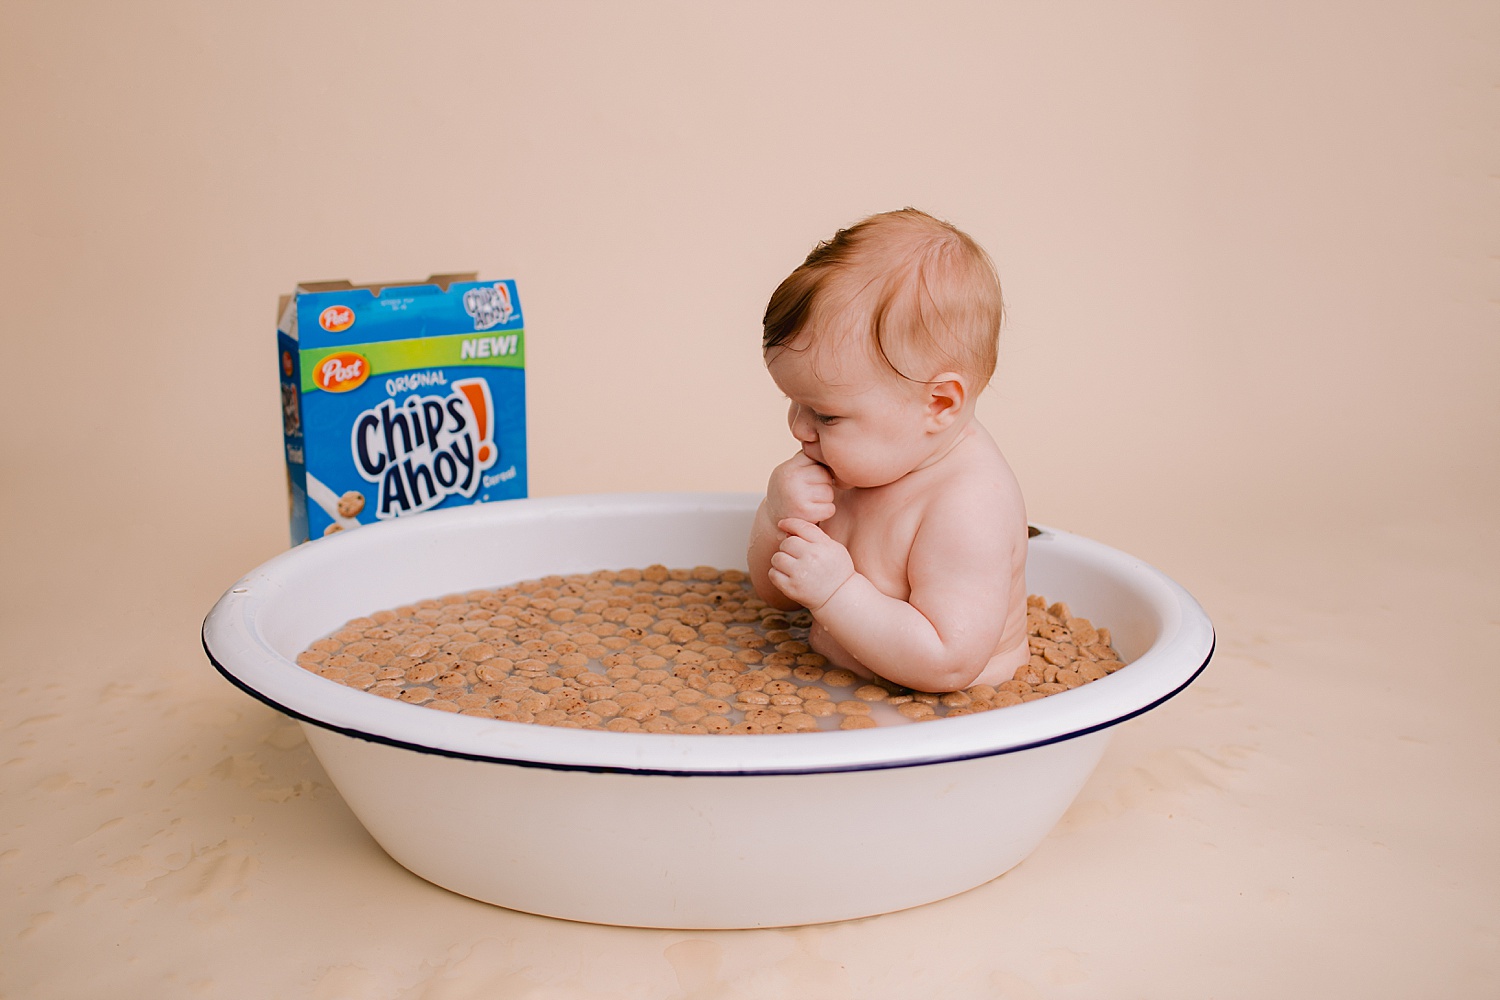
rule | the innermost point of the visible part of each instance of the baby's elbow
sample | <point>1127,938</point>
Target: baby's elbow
<point>957,673</point>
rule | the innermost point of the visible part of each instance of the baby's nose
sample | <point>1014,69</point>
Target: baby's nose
<point>803,427</point>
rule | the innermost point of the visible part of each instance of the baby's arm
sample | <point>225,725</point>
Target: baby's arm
<point>939,639</point>
<point>799,488</point>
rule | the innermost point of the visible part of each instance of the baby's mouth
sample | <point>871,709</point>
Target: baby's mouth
<point>837,482</point>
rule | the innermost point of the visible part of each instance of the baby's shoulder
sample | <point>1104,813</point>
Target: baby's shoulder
<point>979,467</point>
<point>979,492</point>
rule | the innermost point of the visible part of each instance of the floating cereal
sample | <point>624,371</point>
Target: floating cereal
<point>682,651</point>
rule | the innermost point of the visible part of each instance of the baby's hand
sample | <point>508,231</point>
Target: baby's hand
<point>800,488</point>
<point>809,567</point>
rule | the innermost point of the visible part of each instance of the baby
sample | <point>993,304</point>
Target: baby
<point>898,523</point>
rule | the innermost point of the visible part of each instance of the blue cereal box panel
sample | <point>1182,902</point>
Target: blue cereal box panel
<point>400,398</point>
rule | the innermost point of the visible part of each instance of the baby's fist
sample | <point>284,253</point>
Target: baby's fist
<point>802,489</point>
<point>809,567</point>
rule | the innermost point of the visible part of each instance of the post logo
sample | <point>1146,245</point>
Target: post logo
<point>336,319</point>
<point>342,372</point>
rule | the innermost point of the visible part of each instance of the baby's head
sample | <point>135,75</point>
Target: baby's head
<point>882,339</point>
<point>920,294</point>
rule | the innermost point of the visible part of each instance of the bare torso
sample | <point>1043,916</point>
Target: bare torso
<point>879,527</point>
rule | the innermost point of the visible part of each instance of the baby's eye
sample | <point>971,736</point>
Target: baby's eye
<point>824,418</point>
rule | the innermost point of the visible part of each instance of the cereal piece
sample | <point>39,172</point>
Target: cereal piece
<point>416,695</point>
<point>871,692</point>
<point>820,709</point>
<point>1028,674</point>
<point>800,722</point>
<point>422,673</point>
<point>810,674</point>
<point>857,722</point>
<point>1053,688</point>
<point>853,708</point>
<point>957,699</point>
<point>639,711</point>
<point>917,710</point>
<point>839,678</point>
<point>1092,671</point>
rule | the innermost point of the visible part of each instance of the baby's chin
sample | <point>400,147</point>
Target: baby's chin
<point>860,483</point>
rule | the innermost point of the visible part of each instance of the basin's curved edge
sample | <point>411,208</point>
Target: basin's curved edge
<point>599,769</point>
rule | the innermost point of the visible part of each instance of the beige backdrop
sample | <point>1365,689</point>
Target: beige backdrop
<point>1249,255</point>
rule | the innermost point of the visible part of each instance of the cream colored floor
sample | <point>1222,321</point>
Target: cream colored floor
<point>1249,259</point>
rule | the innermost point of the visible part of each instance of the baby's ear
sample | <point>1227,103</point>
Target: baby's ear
<point>946,395</point>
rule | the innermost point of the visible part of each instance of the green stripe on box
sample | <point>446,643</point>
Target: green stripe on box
<point>386,357</point>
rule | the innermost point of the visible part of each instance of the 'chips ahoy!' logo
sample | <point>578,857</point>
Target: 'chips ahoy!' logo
<point>427,449</point>
<point>489,306</point>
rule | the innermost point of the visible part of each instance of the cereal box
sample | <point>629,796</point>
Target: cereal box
<point>400,398</point>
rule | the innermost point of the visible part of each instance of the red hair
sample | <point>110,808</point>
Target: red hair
<point>923,283</point>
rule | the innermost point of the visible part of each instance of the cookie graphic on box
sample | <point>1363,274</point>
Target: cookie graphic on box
<point>400,398</point>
